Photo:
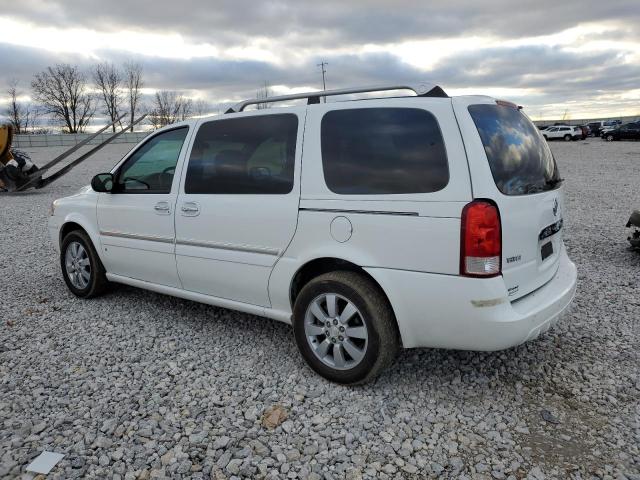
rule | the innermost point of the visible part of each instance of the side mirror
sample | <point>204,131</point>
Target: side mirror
<point>102,182</point>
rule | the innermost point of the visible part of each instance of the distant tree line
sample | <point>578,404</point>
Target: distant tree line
<point>70,97</point>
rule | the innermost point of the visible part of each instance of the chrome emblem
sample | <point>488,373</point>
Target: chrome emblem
<point>555,207</point>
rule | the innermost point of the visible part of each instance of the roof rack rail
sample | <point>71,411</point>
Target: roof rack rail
<point>314,97</point>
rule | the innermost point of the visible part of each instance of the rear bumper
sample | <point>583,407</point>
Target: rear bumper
<point>447,311</point>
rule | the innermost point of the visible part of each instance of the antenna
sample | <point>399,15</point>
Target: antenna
<point>324,84</point>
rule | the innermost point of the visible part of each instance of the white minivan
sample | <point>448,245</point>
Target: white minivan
<point>368,224</point>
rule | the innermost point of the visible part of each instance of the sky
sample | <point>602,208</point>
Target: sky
<point>571,59</point>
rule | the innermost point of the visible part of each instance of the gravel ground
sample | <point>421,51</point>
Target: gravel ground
<point>139,385</point>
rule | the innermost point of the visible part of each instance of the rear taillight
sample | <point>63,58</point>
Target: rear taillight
<point>480,240</point>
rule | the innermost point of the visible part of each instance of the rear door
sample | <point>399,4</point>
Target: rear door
<point>624,132</point>
<point>630,131</point>
<point>238,205</point>
<point>552,132</point>
<point>512,165</point>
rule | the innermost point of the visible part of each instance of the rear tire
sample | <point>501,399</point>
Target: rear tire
<point>345,328</point>
<point>567,138</point>
<point>82,269</point>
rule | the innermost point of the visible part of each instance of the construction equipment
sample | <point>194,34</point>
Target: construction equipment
<point>17,178</point>
<point>634,221</point>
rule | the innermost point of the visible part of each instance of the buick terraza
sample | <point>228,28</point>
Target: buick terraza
<point>368,224</point>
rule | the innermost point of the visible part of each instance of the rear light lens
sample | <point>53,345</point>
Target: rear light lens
<point>480,240</point>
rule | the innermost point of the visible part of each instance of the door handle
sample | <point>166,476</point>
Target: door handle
<point>190,209</point>
<point>162,208</point>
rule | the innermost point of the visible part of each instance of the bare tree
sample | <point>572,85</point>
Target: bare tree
<point>133,84</point>
<point>109,82</point>
<point>186,107</point>
<point>169,107</point>
<point>21,116</point>
<point>62,91</point>
<point>200,108</point>
<point>262,94</point>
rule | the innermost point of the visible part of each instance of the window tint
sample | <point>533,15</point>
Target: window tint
<point>251,155</point>
<point>150,169</point>
<point>520,160</point>
<point>383,151</point>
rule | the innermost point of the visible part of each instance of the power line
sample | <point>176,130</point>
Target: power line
<point>324,84</point>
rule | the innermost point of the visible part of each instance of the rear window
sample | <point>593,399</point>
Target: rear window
<point>520,160</point>
<point>383,151</point>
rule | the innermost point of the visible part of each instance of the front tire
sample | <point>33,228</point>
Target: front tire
<point>610,138</point>
<point>345,328</point>
<point>567,138</point>
<point>82,269</point>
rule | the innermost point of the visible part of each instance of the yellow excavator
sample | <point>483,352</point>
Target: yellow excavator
<point>16,166</point>
<point>18,173</point>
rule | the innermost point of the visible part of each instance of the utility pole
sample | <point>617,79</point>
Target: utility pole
<point>324,85</point>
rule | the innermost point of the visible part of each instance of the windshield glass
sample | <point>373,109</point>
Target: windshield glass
<point>520,159</point>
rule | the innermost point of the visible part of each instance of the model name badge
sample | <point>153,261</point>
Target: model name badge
<point>515,258</point>
<point>513,290</point>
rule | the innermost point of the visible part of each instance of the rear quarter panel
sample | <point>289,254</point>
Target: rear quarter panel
<point>413,232</point>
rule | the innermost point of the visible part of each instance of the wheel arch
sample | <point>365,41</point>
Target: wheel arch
<point>72,223</point>
<point>319,266</point>
<point>67,228</point>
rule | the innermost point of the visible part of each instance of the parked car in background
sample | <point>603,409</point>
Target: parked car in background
<point>629,131</point>
<point>564,132</point>
<point>595,128</point>
<point>598,127</point>
<point>417,221</point>
<point>586,131</point>
<point>579,134</point>
<point>609,125</point>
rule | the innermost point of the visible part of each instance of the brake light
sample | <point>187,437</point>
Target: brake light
<point>480,240</point>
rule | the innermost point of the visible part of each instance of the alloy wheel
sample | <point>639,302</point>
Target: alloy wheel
<point>78,265</point>
<point>336,331</point>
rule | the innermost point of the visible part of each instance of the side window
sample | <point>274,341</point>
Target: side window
<point>151,168</point>
<point>250,155</point>
<point>369,151</point>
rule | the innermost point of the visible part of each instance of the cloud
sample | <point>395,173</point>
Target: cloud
<point>583,58</point>
<point>356,22</point>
